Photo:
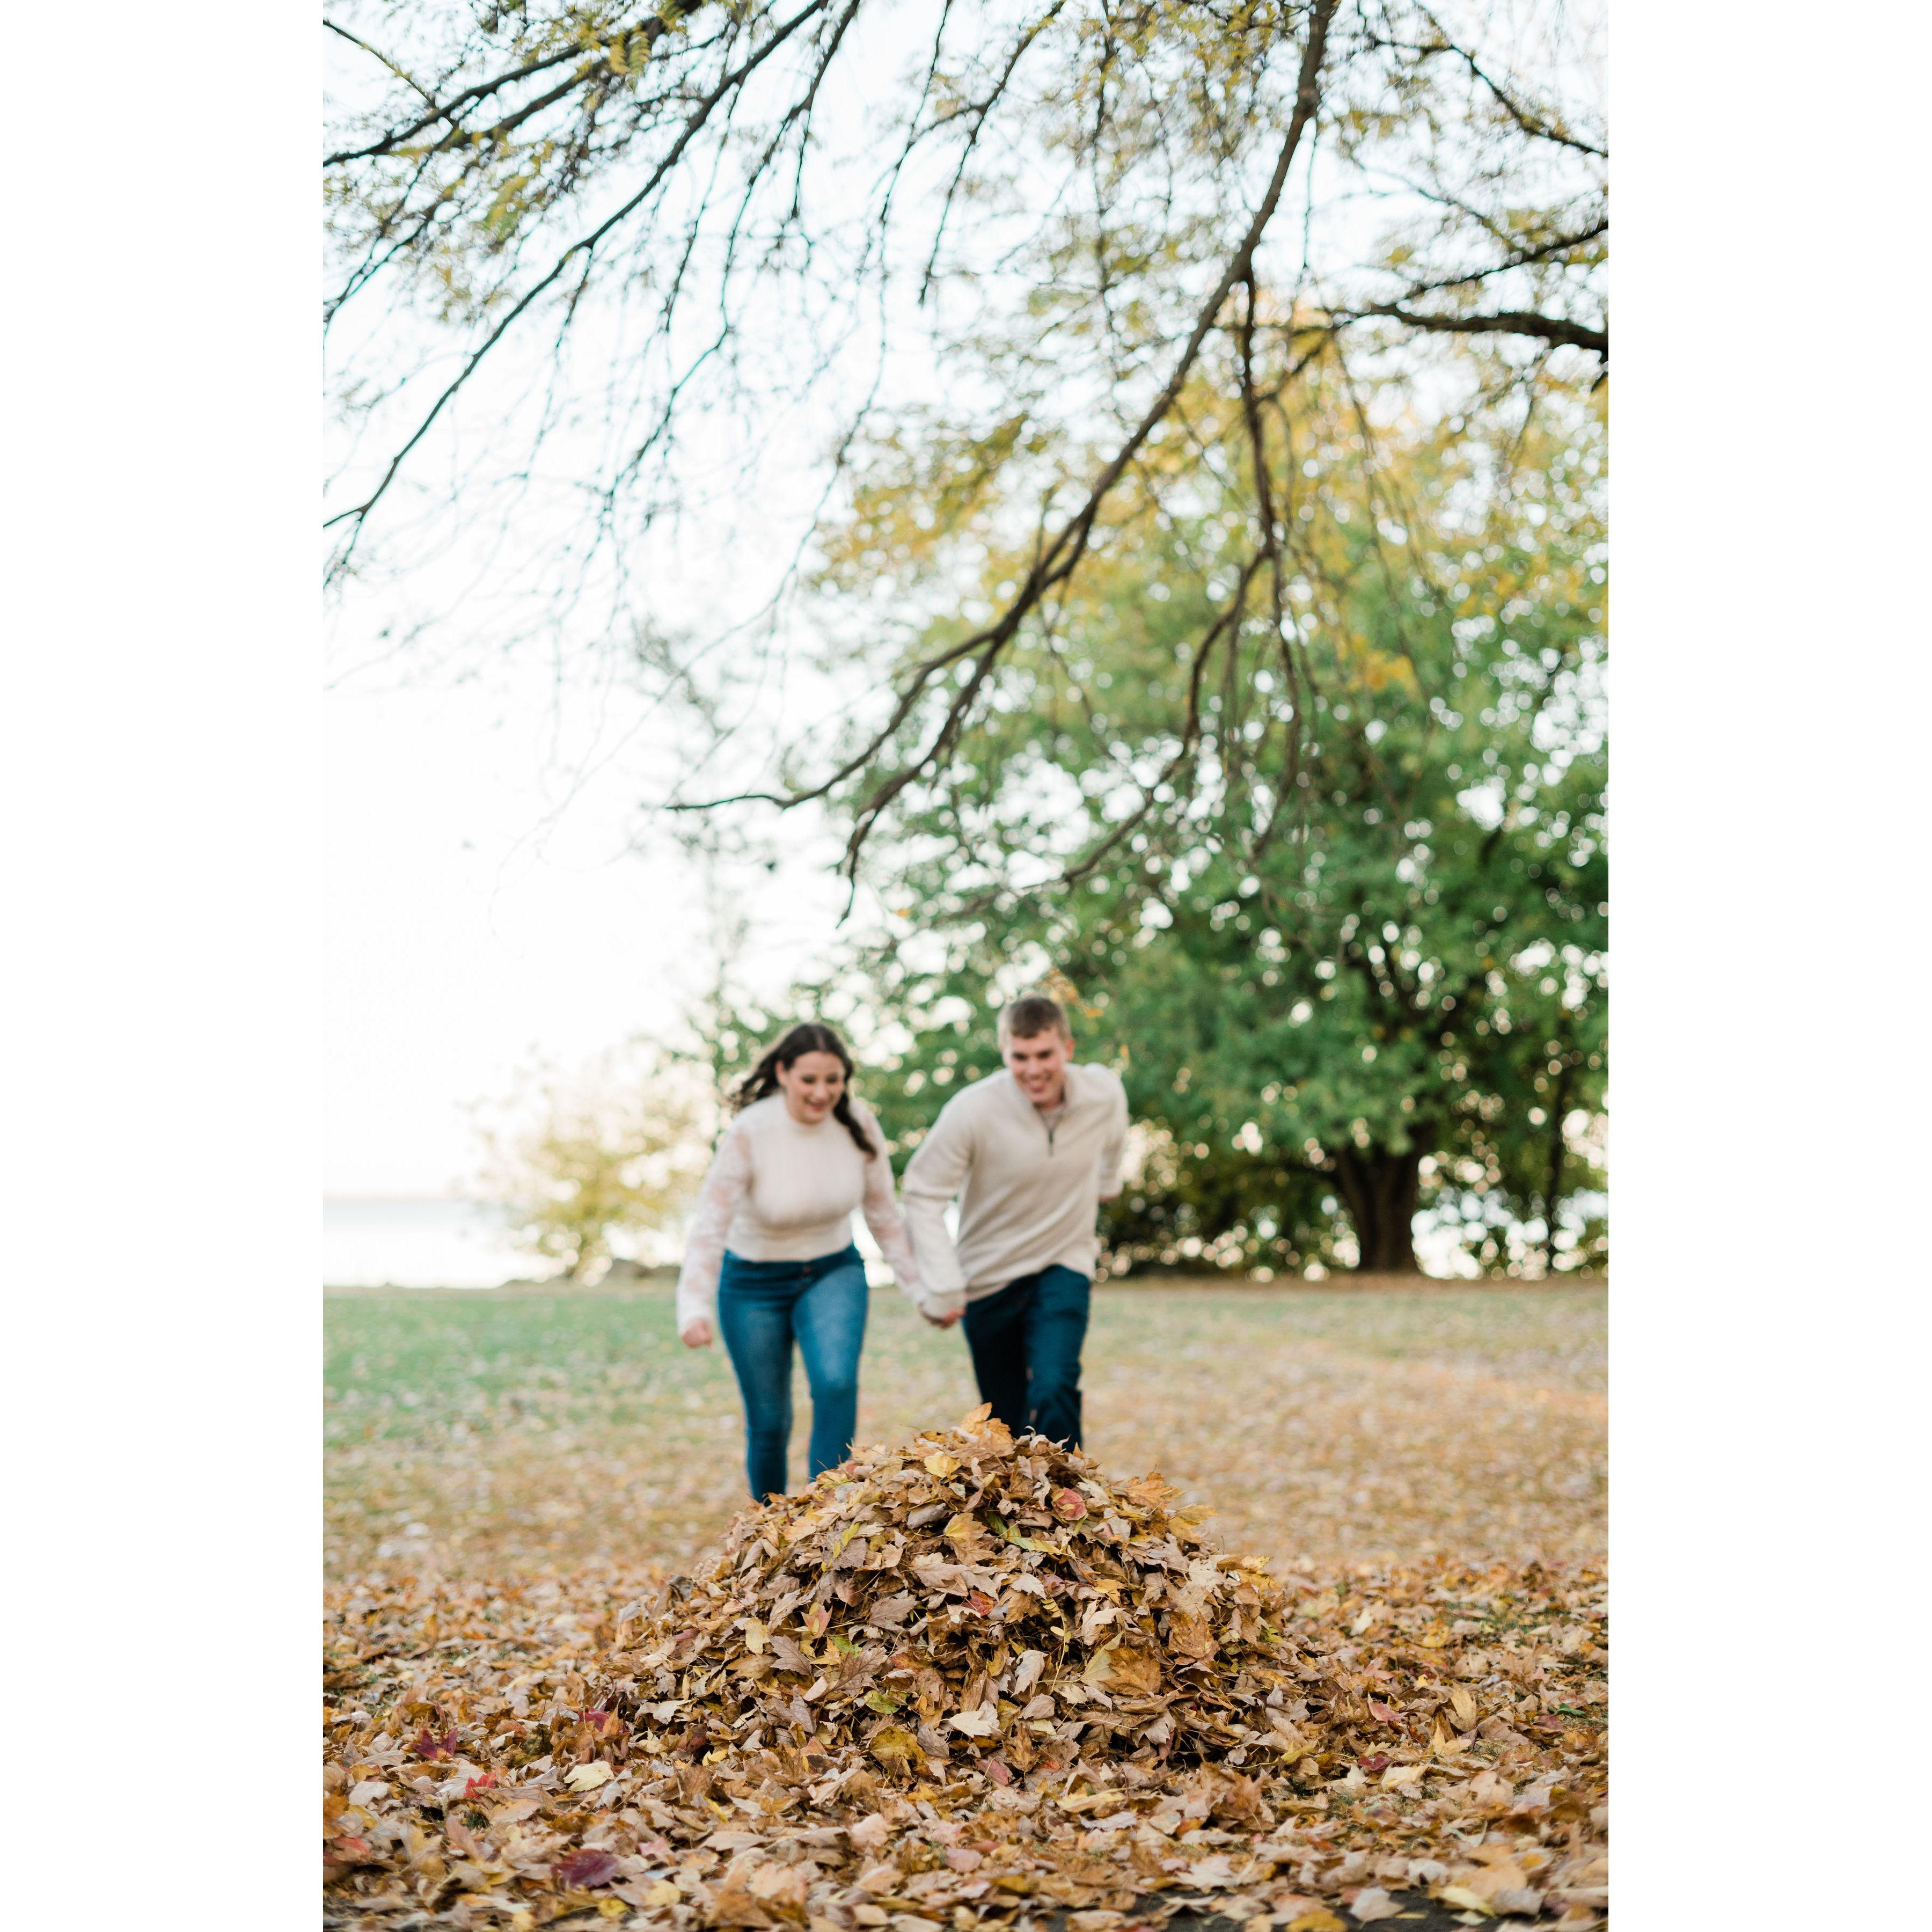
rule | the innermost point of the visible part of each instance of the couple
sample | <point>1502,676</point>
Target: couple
<point>1030,1151</point>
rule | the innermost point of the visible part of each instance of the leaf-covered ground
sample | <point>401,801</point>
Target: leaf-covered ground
<point>495,1437</point>
<point>510,1481</point>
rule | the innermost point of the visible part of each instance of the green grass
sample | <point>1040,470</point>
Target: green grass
<point>405,1364</point>
<point>402,1366</point>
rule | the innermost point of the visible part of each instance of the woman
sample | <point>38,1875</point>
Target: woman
<point>771,1241</point>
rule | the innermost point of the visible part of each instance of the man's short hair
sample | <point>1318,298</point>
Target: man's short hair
<point>1033,1014</point>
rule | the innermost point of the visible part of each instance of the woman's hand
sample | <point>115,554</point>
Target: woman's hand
<point>945,1320</point>
<point>696,1334</point>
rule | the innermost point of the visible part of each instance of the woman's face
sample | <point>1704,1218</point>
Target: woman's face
<point>812,1085</point>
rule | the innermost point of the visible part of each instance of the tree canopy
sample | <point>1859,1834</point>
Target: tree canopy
<point>1380,986</point>
<point>1001,241</point>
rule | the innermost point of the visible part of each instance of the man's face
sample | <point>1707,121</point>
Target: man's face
<point>1039,1063</point>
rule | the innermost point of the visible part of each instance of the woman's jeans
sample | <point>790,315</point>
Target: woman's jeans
<point>763,1307</point>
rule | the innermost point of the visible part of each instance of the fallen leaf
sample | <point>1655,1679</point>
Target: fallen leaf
<point>589,1776</point>
<point>1136,1673</point>
<point>587,1869</point>
<point>897,1750</point>
<point>1098,1669</point>
<point>1372,1902</point>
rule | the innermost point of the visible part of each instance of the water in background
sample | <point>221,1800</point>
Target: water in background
<point>442,1243</point>
<point>421,1243</point>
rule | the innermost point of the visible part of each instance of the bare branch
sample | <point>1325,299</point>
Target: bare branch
<point>586,245</point>
<point>650,31</point>
<point>1511,322</point>
<point>1062,555</point>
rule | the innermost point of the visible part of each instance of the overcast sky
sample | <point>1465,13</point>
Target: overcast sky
<point>486,904</point>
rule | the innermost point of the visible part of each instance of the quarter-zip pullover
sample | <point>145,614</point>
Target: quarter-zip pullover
<point>1032,1187</point>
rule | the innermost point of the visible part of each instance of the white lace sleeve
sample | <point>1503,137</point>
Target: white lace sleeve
<point>718,1200</point>
<point>881,1210</point>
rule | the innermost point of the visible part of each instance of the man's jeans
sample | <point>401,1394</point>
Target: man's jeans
<point>763,1307</point>
<point>1025,1339</point>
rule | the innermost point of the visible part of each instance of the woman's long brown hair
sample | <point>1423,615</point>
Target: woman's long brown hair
<point>807,1037</point>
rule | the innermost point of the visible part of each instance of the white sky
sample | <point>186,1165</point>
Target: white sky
<point>485,906</point>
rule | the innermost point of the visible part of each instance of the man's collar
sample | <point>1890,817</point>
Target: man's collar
<point>1066,1086</point>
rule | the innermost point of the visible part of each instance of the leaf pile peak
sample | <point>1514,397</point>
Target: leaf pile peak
<point>967,1602</point>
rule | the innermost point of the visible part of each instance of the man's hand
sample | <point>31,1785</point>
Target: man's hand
<point>696,1334</point>
<point>945,1320</point>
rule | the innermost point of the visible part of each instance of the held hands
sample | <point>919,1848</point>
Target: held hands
<point>696,1334</point>
<point>945,1320</point>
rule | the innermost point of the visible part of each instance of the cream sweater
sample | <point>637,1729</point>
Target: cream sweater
<point>780,1191</point>
<point>1030,1191</point>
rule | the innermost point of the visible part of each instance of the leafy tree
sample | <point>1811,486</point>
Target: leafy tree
<point>1378,984</point>
<point>607,1154</point>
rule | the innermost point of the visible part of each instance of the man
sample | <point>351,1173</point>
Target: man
<point>1035,1150</point>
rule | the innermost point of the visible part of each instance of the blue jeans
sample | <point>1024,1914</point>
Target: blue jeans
<point>1025,1339</point>
<point>763,1307</point>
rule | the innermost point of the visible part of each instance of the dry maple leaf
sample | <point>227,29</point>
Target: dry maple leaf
<point>587,1869</point>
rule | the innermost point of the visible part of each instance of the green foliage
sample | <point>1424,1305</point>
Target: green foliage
<point>610,1153</point>
<point>1363,974</point>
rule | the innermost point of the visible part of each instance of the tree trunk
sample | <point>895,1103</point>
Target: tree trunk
<point>1379,1190</point>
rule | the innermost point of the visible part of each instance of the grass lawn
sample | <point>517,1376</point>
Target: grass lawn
<point>491,1435</point>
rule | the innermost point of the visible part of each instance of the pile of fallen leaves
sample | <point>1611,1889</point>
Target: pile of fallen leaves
<point>958,1683</point>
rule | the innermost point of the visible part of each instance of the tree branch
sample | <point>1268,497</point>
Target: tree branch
<point>672,14</point>
<point>1507,322</point>
<point>1063,556</point>
<point>584,246</point>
